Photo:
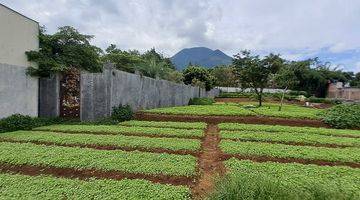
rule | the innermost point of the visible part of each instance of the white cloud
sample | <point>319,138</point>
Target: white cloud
<point>293,28</point>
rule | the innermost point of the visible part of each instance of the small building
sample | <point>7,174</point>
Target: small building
<point>18,92</point>
<point>338,90</point>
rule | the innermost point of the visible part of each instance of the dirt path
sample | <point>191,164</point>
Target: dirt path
<point>209,164</point>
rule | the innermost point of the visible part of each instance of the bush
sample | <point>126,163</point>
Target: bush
<point>122,113</point>
<point>323,100</point>
<point>343,116</point>
<point>23,122</point>
<point>201,101</point>
<point>298,93</point>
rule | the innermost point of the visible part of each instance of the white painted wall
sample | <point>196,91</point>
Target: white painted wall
<point>18,92</point>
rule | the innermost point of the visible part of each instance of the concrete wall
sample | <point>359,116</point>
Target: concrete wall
<point>102,91</point>
<point>49,96</point>
<point>18,92</point>
<point>337,91</point>
<point>18,34</point>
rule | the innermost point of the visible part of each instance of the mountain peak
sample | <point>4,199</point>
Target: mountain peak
<point>202,56</point>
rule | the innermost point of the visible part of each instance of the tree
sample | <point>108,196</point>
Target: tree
<point>62,51</point>
<point>285,79</point>
<point>196,74</point>
<point>123,60</point>
<point>356,81</point>
<point>224,76</point>
<point>254,72</point>
<point>153,68</point>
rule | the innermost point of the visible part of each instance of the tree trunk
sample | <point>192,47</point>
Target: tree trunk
<point>260,97</point>
<point>282,99</point>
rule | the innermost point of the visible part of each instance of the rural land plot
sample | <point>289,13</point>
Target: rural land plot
<point>299,138</point>
<point>115,141</point>
<point>347,155</point>
<point>116,129</point>
<point>160,124</point>
<point>290,129</point>
<point>85,158</point>
<point>293,181</point>
<point>15,186</point>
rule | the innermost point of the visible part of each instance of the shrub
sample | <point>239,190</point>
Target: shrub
<point>323,100</point>
<point>297,93</point>
<point>343,116</point>
<point>201,101</point>
<point>23,122</point>
<point>122,113</point>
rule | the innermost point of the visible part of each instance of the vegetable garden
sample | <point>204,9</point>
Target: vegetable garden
<point>183,160</point>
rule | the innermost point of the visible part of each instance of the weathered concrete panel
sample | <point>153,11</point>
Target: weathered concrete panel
<point>18,92</point>
<point>102,91</point>
<point>49,96</point>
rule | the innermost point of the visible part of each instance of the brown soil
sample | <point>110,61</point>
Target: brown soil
<point>126,134</point>
<point>210,165</point>
<point>238,119</point>
<point>86,174</point>
<point>294,143</point>
<point>109,147</point>
<point>289,160</point>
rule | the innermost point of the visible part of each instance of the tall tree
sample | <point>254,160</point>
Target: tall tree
<point>123,60</point>
<point>285,79</point>
<point>224,76</point>
<point>198,76</point>
<point>254,72</point>
<point>62,51</point>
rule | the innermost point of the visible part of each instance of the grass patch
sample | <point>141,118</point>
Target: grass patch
<point>184,125</point>
<point>349,154</point>
<point>84,158</point>
<point>15,186</point>
<point>251,180</point>
<point>116,129</point>
<point>110,140</point>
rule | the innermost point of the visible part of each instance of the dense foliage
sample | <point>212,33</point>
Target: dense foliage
<point>22,122</point>
<point>224,76</point>
<point>107,160</point>
<point>122,113</point>
<point>62,51</point>
<point>201,101</point>
<point>181,125</point>
<point>198,76</point>
<point>14,186</point>
<point>343,116</point>
<point>251,180</point>
<point>116,129</point>
<point>105,140</point>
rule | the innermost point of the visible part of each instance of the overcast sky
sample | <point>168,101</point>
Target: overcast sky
<point>297,29</point>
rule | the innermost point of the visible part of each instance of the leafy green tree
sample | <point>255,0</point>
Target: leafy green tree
<point>123,60</point>
<point>285,79</point>
<point>153,68</point>
<point>199,76</point>
<point>356,81</point>
<point>255,72</point>
<point>62,51</point>
<point>224,76</point>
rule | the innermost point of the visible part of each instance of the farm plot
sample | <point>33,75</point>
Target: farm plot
<point>181,125</point>
<point>287,181</point>
<point>125,130</point>
<point>268,110</point>
<point>289,129</point>
<point>134,161</point>
<point>47,187</point>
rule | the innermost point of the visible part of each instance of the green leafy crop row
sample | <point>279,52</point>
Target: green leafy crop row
<point>84,158</point>
<point>116,129</point>
<point>277,128</point>
<point>185,125</point>
<point>111,140</point>
<point>14,186</point>
<point>349,154</point>
<point>270,110</point>
<point>300,137</point>
<point>251,180</point>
